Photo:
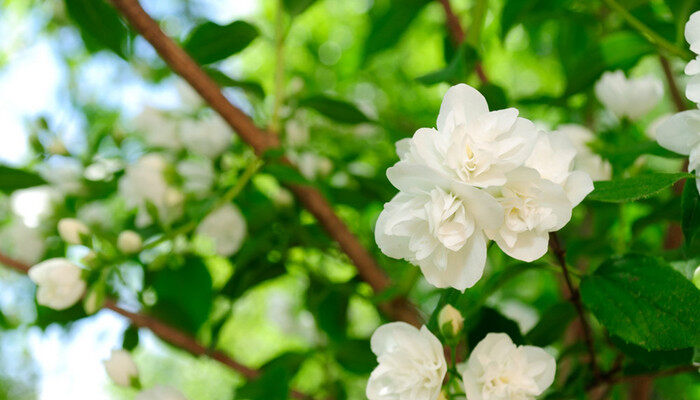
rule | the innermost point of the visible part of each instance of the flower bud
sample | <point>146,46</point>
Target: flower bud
<point>93,300</point>
<point>450,321</point>
<point>696,277</point>
<point>129,242</point>
<point>121,368</point>
<point>59,283</point>
<point>70,230</point>
<point>57,148</point>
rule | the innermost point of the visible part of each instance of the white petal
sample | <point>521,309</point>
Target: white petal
<point>692,90</point>
<point>464,267</point>
<point>548,365</point>
<point>461,104</point>
<point>577,187</point>
<point>528,247</point>
<point>681,132</point>
<point>692,32</point>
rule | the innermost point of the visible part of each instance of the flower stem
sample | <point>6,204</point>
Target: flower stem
<point>575,298</point>
<point>647,32</point>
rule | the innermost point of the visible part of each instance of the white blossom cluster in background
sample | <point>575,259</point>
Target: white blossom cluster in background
<point>480,175</point>
<point>681,132</point>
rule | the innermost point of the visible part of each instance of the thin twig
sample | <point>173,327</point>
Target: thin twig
<point>166,332</point>
<point>647,32</point>
<point>458,35</point>
<point>261,141</point>
<point>676,95</point>
<point>575,298</point>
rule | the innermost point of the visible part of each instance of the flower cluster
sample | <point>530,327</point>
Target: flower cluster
<point>681,132</point>
<point>480,175</point>
<point>412,366</point>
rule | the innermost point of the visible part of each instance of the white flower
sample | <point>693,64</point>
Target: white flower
<point>471,143</point>
<point>411,364</point>
<point>121,368</point>
<point>437,224</point>
<point>198,176</point>
<point>22,242</point>
<point>159,130</point>
<point>632,98</point>
<point>497,369</point>
<point>64,174</point>
<point>207,137</point>
<point>129,242</point>
<point>57,147</point>
<point>586,160</point>
<point>59,283</point>
<point>226,227</point>
<point>296,133</point>
<point>70,230</point>
<point>653,127</point>
<point>160,393</point>
<point>692,36</point>
<point>553,158</point>
<point>681,134</point>
<point>452,316</point>
<point>533,207</point>
<point>144,182</point>
<point>311,165</point>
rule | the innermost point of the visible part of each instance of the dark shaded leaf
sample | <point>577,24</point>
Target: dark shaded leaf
<point>100,25</point>
<point>296,7</point>
<point>329,305</point>
<point>12,179</point>
<point>356,356</point>
<point>490,320</point>
<point>337,110</point>
<point>224,80</point>
<point>273,384</point>
<point>388,28</point>
<point>690,212</point>
<point>635,188</point>
<point>131,338</point>
<point>210,42</point>
<point>645,302</point>
<point>552,324</point>
<point>184,294</point>
<point>660,358</point>
<point>459,68</point>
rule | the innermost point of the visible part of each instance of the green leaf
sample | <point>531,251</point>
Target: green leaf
<point>100,25</point>
<point>273,384</point>
<point>690,209</point>
<point>356,356</point>
<point>184,294</point>
<point>459,68</point>
<point>387,29</point>
<point>645,302</point>
<point>490,320</point>
<point>635,188</point>
<point>337,110</point>
<point>210,42</point>
<point>659,358</point>
<point>622,50</point>
<point>12,179</point>
<point>296,7</point>
<point>224,80</point>
<point>285,173</point>
<point>552,324</point>
<point>329,305</point>
<point>131,338</point>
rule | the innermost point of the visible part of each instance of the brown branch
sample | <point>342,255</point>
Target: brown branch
<point>165,332</point>
<point>458,35</point>
<point>261,141</point>
<point>676,95</point>
<point>575,298</point>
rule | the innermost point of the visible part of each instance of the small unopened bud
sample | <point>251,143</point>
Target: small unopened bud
<point>450,321</point>
<point>696,277</point>
<point>173,197</point>
<point>94,300</point>
<point>121,369</point>
<point>129,242</point>
<point>71,230</point>
<point>57,148</point>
